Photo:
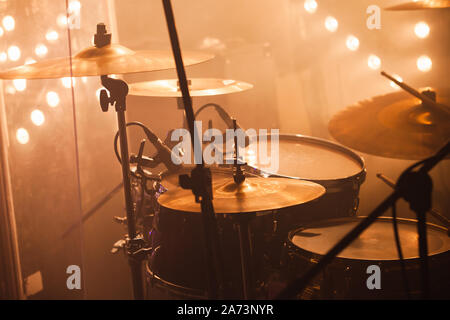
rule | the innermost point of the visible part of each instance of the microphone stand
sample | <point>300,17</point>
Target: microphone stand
<point>415,187</point>
<point>200,180</point>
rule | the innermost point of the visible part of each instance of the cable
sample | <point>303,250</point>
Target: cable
<point>150,135</point>
<point>399,250</point>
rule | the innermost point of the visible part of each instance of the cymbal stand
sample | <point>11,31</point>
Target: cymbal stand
<point>415,187</point>
<point>118,91</point>
<point>200,180</point>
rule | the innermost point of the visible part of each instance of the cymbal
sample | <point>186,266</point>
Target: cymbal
<point>253,195</point>
<point>197,87</point>
<point>422,4</point>
<point>394,125</point>
<point>110,59</point>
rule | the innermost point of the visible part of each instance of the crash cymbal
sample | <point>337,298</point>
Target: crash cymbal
<point>422,4</point>
<point>253,195</point>
<point>197,87</point>
<point>395,125</point>
<point>110,59</point>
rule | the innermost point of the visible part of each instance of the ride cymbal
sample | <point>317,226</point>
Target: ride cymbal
<point>253,195</point>
<point>197,87</point>
<point>110,59</point>
<point>395,125</point>
<point>422,4</point>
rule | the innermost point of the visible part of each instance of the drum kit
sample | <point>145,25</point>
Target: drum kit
<point>261,230</point>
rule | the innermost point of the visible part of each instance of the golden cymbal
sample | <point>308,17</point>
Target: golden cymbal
<point>421,4</point>
<point>110,59</point>
<point>197,87</point>
<point>394,125</point>
<point>253,195</point>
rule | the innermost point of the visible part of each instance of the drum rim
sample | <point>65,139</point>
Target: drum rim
<point>171,286</point>
<point>317,256</point>
<point>359,175</point>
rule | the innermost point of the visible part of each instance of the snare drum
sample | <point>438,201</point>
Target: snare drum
<point>337,168</point>
<point>347,276</point>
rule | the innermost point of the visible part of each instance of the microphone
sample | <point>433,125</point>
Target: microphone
<point>164,154</point>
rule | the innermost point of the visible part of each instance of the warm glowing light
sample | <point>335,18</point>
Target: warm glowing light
<point>51,35</point>
<point>374,62</point>
<point>14,53</point>
<point>61,20</point>
<point>22,136</point>
<point>52,99</point>
<point>398,78</point>
<point>97,93</point>
<point>30,61</point>
<point>41,50</point>
<point>331,24</point>
<point>3,56</point>
<point>352,43</point>
<point>422,30</point>
<point>424,63</point>
<point>74,6</point>
<point>20,84</point>
<point>66,82</point>
<point>310,6</point>
<point>1,32</point>
<point>10,90</point>
<point>84,79</point>
<point>37,117</point>
<point>8,23</point>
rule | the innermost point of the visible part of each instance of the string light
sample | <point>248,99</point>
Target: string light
<point>352,43</point>
<point>393,84</point>
<point>37,117</point>
<point>51,35</point>
<point>422,30</point>
<point>331,24</point>
<point>41,50</point>
<point>20,84</point>
<point>84,79</point>
<point>74,6</point>
<point>13,53</point>
<point>97,93</point>
<point>22,136</point>
<point>52,99</point>
<point>66,82</point>
<point>30,61</point>
<point>374,62</point>
<point>10,90</point>
<point>310,6</point>
<point>61,20</point>
<point>3,56</point>
<point>8,23</point>
<point>424,63</point>
<point>1,32</point>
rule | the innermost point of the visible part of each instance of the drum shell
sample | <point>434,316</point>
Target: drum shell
<point>346,278</point>
<point>342,194</point>
<point>181,256</point>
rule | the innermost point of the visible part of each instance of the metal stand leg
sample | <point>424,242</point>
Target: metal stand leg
<point>245,252</point>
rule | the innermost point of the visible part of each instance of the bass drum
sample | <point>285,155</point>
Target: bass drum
<point>347,275</point>
<point>178,265</point>
<point>337,168</point>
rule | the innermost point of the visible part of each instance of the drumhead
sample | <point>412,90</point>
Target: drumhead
<point>307,158</point>
<point>375,243</point>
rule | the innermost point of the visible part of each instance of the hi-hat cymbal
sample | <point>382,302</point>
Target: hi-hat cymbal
<point>421,4</point>
<point>110,59</point>
<point>395,125</point>
<point>197,87</point>
<point>253,195</point>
